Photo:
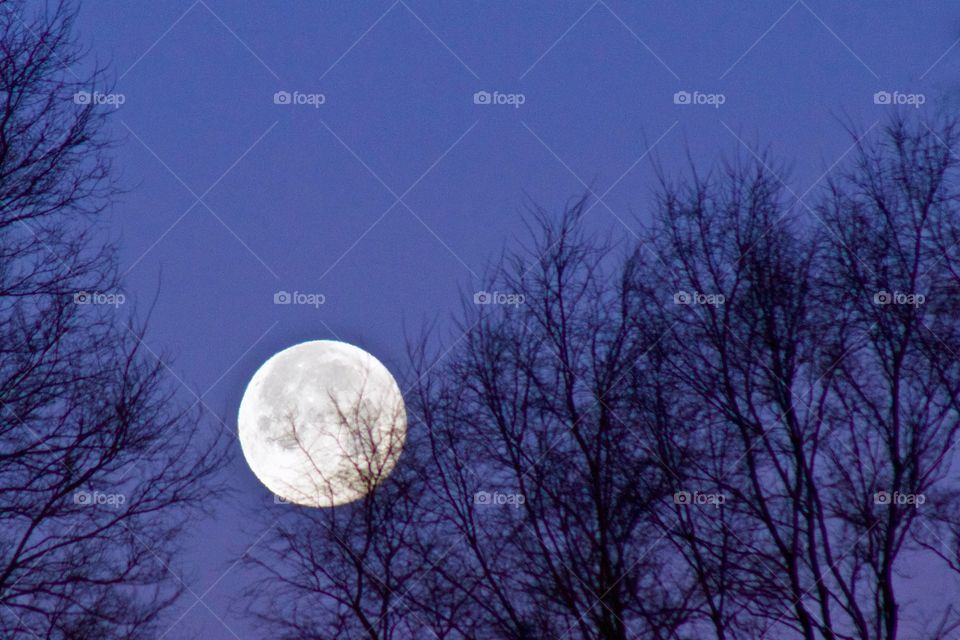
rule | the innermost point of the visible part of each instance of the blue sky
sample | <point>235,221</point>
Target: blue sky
<point>391,197</point>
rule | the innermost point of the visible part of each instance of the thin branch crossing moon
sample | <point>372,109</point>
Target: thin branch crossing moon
<point>322,423</point>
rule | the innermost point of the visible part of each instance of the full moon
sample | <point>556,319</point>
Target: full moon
<point>322,423</point>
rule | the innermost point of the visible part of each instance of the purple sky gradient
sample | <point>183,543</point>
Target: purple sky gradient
<point>234,197</point>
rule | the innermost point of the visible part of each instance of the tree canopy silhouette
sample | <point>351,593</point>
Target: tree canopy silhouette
<point>98,463</point>
<point>739,424</point>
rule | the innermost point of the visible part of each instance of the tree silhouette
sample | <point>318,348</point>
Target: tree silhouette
<point>823,387</point>
<point>357,559</point>
<point>741,426</point>
<point>97,463</point>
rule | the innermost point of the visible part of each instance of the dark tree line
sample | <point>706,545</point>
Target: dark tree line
<point>740,426</point>
<point>98,457</point>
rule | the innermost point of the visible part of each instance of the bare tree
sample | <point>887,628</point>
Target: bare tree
<point>348,570</point>
<point>520,506</point>
<point>819,360</point>
<point>893,269</point>
<point>741,427</point>
<point>548,459</point>
<point>97,461</point>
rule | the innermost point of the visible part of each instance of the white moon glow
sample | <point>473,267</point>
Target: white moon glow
<point>321,423</point>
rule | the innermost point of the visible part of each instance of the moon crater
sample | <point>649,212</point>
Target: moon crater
<point>322,423</point>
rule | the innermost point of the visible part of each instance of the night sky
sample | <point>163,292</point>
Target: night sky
<point>392,197</point>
